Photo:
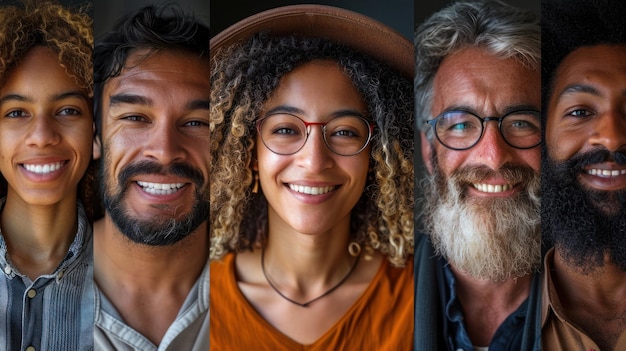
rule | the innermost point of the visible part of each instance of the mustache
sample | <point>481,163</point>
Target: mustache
<point>510,173</point>
<point>582,160</point>
<point>179,169</point>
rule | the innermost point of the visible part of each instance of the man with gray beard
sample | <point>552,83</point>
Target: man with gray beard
<point>478,104</point>
<point>584,179</point>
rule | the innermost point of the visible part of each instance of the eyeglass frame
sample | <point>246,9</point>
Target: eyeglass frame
<point>433,123</point>
<point>370,124</point>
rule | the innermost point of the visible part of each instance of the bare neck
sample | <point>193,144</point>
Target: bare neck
<point>147,285</point>
<point>307,257</point>
<point>137,266</point>
<point>486,304</point>
<point>38,237</point>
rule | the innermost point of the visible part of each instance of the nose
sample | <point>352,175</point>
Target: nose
<point>610,131</point>
<point>164,144</point>
<point>43,131</point>
<point>493,151</point>
<point>315,155</point>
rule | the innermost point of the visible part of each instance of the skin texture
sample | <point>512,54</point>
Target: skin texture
<point>306,253</point>
<point>314,164</point>
<point>586,110</point>
<point>159,124</point>
<point>473,79</point>
<point>166,121</point>
<point>586,113</point>
<point>46,119</point>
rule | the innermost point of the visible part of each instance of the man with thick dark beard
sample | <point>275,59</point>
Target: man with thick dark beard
<point>151,249</point>
<point>584,179</point>
<point>478,103</point>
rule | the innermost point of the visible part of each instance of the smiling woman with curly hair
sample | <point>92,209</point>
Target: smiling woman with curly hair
<point>311,189</point>
<point>46,143</point>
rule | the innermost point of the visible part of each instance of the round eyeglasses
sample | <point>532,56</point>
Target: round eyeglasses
<point>286,134</point>
<point>461,130</point>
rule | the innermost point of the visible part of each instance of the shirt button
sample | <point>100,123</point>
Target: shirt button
<point>30,348</point>
<point>7,270</point>
<point>31,293</point>
<point>60,275</point>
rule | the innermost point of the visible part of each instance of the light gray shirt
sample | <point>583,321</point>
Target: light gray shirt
<point>189,332</point>
<point>55,311</point>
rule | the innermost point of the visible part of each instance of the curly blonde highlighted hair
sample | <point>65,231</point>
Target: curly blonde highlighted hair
<point>243,77</point>
<point>67,33</point>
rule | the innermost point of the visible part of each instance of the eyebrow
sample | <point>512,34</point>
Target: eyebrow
<point>506,111</point>
<point>57,97</point>
<point>296,111</point>
<point>579,88</point>
<point>120,99</point>
<point>198,105</point>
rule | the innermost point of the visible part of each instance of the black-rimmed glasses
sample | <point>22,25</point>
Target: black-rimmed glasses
<point>286,134</point>
<point>461,130</point>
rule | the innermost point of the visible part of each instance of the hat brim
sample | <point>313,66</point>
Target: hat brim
<point>357,31</point>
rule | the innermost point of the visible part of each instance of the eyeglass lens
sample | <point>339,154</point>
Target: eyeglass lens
<point>461,129</point>
<point>286,134</point>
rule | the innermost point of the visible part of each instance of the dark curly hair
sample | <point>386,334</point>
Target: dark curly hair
<point>68,33</point>
<point>152,28</point>
<point>243,77</point>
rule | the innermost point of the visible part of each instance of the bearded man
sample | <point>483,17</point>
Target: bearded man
<point>478,104</point>
<point>584,179</point>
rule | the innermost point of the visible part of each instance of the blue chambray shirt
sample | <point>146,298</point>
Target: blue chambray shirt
<point>55,311</point>
<point>508,336</point>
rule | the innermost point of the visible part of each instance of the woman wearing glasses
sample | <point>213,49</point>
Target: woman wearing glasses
<point>311,184</point>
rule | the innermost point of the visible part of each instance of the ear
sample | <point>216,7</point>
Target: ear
<point>255,165</point>
<point>427,149</point>
<point>97,145</point>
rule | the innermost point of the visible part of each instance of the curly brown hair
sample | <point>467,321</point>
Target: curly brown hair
<point>68,33</point>
<point>243,77</point>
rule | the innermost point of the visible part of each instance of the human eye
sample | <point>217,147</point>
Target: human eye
<point>579,113</point>
<point>196,124</point>
<point>16,114</point>
<point>521,123</point>
<point>134,118</point>
<point>68,111</point>
<point>457,122</point>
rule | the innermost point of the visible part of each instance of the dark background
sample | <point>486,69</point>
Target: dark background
<point>108,11</point>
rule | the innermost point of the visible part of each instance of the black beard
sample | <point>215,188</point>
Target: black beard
<point>585,225</point>
<point>157,231</point>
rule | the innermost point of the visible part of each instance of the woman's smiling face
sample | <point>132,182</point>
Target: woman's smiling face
<point>314,189</point>
<point>46,130</point>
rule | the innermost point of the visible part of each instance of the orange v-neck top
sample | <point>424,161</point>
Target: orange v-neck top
<point>381,319</point>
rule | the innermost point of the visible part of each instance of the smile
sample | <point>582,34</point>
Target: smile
<point>606,172</point>
<point>160,188</point>
<point>44,168</point>
<point>490,188</point>
<point>312,190</point>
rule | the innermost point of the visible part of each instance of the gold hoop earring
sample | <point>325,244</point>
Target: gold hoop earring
<point>354,249</point>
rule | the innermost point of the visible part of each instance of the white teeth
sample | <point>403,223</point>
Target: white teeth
<point>160,188</point>
<point>606,172</point>
<point>490,188</point>
<point>45,168</point>
<point>312,190</point>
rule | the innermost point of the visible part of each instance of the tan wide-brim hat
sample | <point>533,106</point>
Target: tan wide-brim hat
<point>357,31</point>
